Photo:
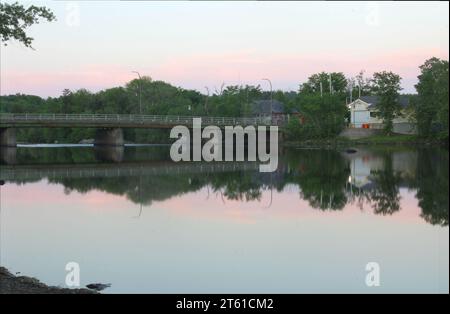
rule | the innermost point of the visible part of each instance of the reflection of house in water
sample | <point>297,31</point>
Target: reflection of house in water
<point>364,163</point>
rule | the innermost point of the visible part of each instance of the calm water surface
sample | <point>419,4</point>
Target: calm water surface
<point>132,218</point>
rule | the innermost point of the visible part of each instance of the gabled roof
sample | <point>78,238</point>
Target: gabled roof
<point>263,106</point>
<point>374,100</point>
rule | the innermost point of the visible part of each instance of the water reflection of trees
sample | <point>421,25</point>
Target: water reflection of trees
<point>432,186</point>
<point>385,196</point>
<point>321,176</point>
<point>236,186</point>
<point>325,178</point>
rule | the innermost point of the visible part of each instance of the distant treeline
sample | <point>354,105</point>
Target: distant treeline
<point>321,104</point>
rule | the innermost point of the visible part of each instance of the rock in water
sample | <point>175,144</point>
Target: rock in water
<point>98,286</point>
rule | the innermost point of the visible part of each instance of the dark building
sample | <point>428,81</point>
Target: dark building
<point>274,109</point>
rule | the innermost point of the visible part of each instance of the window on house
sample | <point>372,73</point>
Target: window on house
<point>373,114</point>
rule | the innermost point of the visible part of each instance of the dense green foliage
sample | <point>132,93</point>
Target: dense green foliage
<point>386,85</point>
<point>322,107</point>
<point>431,106</point>
<point>320,82</point>
<point>322,117</point>
<point>158,98</point>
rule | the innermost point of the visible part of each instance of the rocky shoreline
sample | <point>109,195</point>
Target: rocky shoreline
<point>11,284</point>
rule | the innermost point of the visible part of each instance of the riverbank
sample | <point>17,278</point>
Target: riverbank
<point>11,284</point>
<point>378,139</point>
<point>339,141</point>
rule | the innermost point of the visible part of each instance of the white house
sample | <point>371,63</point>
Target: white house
<point>363,114</point>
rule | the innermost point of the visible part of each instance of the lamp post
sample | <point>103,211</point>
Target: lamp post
<point>271,98</point>
<point>140,91</point>
<point>206,100</point>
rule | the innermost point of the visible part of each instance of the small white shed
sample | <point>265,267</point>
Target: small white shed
<point>359,113</point>
<point>363,114</point>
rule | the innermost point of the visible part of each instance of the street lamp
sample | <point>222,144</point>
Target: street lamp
<point>206,100</point>
<point>271,97</point>
<point>140,91</point>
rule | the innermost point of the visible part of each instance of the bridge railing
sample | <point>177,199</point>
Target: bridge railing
<point>24,172</point>
<point>129,118</point>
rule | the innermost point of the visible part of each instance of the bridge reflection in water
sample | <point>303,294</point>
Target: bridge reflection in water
<point>25,172</point>
<point>328,180</point>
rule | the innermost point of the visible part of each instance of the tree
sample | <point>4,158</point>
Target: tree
<point>15,18</point>
<point>363,85</point>
<point>322,117</point>
<point>431,108</point>
<point>386,85</point>
<point>323,114</point>
<point>338,83</point>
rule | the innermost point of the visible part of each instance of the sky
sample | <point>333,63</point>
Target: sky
<point>97,45</point>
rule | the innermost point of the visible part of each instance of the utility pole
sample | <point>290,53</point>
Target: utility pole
<point>351,93</point>
<point>331,87</point>
<point>140,91</point>
<point>271,98</point>
<point>206,100</point>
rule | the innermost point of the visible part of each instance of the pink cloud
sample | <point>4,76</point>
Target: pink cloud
<point>43,83</point>
<point>247,67</point>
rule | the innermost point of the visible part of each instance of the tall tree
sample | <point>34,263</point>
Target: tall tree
<point>431,109</point>
<point>15,19</point>
<point>338,83</point>
<point>386,85</point>
<point>363,84</point>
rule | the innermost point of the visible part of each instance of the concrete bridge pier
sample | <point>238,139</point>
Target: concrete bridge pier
<point>109,137</point>
<point>109,153</point>
<point>8,137</point>
<point>8,155</point>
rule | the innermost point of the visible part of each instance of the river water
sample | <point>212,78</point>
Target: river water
<point>131,217</point>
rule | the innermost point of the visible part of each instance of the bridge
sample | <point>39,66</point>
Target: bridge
<point>109,126</point>
<point>109,170</point>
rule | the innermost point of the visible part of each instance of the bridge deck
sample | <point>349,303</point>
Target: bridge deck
<point>120,120</point>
